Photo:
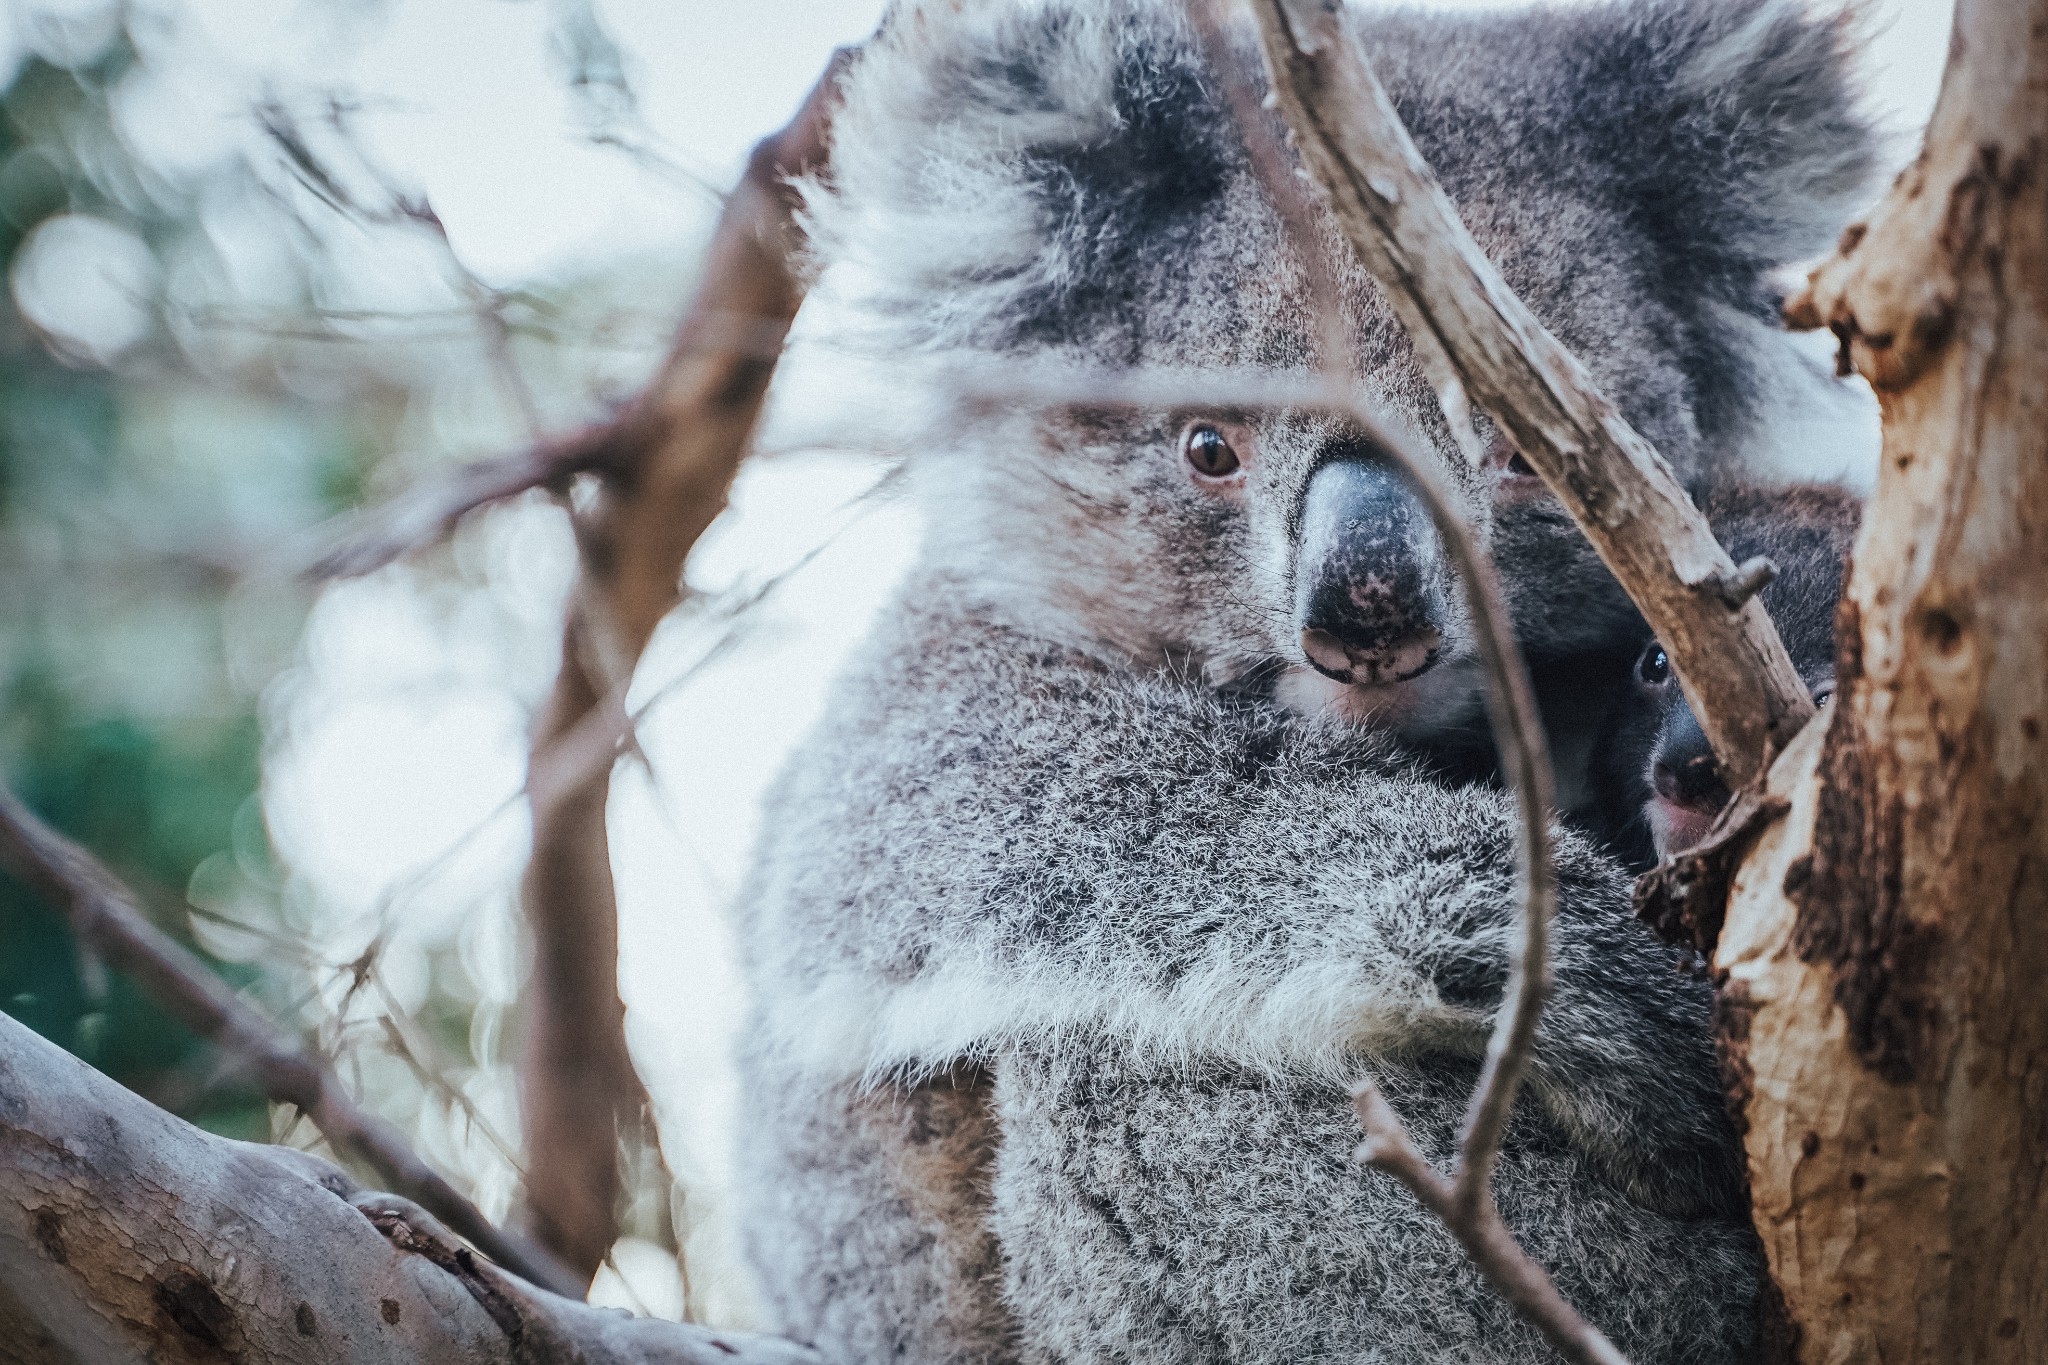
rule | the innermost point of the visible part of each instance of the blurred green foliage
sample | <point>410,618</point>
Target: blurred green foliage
<point>122,719</point>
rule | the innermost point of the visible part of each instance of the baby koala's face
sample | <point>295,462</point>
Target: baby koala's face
<point>1655,763</point>
<point>1683,780</point>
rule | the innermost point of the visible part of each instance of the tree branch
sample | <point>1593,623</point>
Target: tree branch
<point>1465,1202</point>
<point>1510,700</point>
<point>427,512</point>
<point>1454,303</point>
<point>108,921</point>
<point>1479,1230</point>
<point>127,1235</point>
<point>673,457</point>
<point>1882,1014</point>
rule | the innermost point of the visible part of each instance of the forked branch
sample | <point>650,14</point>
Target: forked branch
<point>129,1235</point>
<point>1479,1230</point>
<point>662,468</point>
<point>673,457</point>
<point>1511,707</point>
<point>1311,54</point>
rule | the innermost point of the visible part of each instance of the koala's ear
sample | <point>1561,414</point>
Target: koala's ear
<point>1748,143</point>
<point>998,171</point>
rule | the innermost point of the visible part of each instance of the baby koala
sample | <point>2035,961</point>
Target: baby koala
<point>1655,767</point>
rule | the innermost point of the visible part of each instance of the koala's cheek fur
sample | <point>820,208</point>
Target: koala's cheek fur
<point>1145,566</point>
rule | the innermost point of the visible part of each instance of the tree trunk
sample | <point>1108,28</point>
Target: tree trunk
<point>1884,965</point>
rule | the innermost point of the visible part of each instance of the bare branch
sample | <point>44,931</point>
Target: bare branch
<point>109,922</point>
<point>548,1328</point>
<point>129,1235</point>
<point>1510,700</point>
<point>1466,1202</point>
<point>426,513</point>
<point>1480,1231</point>
<point>1451,299</point>
<point>680,446</point>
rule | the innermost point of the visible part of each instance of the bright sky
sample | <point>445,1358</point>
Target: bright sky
<point>412,725</point>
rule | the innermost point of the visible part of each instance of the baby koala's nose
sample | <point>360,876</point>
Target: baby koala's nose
<point>1368,590</point>
<point>1688,783</point>
<point>1690,780</point>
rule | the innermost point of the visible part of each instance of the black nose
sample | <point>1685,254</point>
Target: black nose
<point>1369,591</point>
<point>1684,771</point>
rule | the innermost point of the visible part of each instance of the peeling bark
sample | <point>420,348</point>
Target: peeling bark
<point>1884,941</point>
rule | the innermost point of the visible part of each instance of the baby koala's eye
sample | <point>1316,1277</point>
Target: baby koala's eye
<point>1820,698</point>
<point>1501,455</point>
<point>1654,668</point>
<point>1208,452</point>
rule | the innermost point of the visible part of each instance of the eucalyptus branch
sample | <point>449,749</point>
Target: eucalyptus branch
<point>677,449</point>
<point>109,922</point>
<point>1465,1202</point>
<point>1454,303</point>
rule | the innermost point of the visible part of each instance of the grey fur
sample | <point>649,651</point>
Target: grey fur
<point>1073,919</point>
<point>1064,864</point>
<point>1047,176</point>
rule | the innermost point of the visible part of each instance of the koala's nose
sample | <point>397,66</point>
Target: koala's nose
<point>1369,580</point>
<point>1684,772</point>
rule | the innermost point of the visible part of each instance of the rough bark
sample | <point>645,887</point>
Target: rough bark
<point>129,1235</point>
<point>1482,343</point>
<point>1883,960</point>
<point>673,457</point>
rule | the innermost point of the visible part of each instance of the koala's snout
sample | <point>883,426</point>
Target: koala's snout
<point>1687,781</point>
<point>1369,588</point>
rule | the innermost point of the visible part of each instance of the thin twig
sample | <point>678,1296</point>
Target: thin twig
<point>365,542</point>
<point>422,515</point>
<point>107,918</point>
<point>681,447</point>
<point>1486,1239</point>
<point>1510,699</point>
<point>1465,1203</point>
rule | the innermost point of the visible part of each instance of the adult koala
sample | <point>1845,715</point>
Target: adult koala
<point>1075,917</point>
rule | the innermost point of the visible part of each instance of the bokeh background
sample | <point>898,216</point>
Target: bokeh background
<point>267,261</point>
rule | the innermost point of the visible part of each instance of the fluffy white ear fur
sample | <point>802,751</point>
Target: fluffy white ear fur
<point>985,160</point>
<point>1822,429</point>
<point>931,218</point>
<point>1766,84</point>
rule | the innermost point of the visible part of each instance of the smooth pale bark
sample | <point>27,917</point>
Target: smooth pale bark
<point>129,1235</point>
<point>1884,960</point>
<point>109,922</point>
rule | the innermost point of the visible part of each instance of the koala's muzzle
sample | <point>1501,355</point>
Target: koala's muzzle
<point>1369,588</point>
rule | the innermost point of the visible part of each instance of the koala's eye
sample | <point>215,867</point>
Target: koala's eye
<point>1820,698</point>
<point>1502,455</point>
<point>1654,668</point>
<point>1208,452</point>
